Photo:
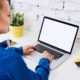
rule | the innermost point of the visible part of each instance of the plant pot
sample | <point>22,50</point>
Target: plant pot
<point>17,31</point>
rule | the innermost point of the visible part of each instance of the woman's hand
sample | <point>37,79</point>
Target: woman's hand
<point>27,50</point>
<point>47,55</point>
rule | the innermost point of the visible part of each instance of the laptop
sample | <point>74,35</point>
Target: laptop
<point>58,38</point>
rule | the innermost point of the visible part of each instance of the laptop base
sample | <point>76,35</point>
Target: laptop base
<point>36,56</point>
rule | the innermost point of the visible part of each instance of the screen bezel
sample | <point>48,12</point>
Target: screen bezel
<point>73,25</point>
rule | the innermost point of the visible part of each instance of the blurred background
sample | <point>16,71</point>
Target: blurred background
<point>35,10</point>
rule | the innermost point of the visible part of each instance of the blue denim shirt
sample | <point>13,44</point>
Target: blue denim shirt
<point>12,66</point>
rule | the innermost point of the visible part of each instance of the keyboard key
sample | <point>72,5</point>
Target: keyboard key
<point>40,48</point>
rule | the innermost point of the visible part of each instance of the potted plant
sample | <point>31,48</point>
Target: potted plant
<point>17,24</point>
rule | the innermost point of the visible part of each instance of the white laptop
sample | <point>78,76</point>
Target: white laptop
<point>58,38</point>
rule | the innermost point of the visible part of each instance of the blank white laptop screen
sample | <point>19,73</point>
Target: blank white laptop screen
<point>58,34</point>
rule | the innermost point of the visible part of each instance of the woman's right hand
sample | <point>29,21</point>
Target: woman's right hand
<point>47,55</point>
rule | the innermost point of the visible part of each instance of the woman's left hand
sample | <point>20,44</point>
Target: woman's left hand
<point>27,50</point>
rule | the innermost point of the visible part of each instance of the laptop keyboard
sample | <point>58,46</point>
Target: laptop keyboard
<point>40,48</point>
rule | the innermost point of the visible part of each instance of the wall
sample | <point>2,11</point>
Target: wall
<point>34,10</point>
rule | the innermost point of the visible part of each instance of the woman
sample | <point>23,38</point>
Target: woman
<point>12,66</point>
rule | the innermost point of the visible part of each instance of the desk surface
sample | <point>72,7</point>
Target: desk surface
<point>66,71</point>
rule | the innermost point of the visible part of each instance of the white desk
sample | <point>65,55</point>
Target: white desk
<point>66,71</point>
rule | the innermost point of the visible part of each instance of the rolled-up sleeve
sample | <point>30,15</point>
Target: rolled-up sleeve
<point>18,50</point>
<point>43,68</point>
